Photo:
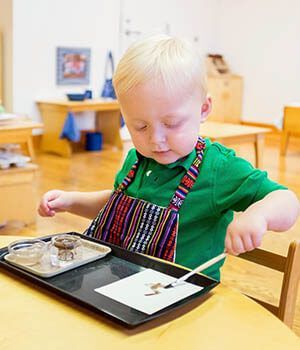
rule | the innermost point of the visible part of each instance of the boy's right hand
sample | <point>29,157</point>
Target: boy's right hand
<point>54,201</point>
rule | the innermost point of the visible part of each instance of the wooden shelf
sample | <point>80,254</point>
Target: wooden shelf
<point>54,115</point>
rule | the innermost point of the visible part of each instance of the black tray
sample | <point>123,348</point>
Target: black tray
<point>78,284</point>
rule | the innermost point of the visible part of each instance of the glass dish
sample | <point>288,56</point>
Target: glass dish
<point>65,248</point>
<point>27,252</point>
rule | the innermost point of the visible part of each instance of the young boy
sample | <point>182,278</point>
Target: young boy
<point>173,172</point>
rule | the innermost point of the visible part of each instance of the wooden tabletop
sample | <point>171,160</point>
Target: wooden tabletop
<point>80,106</point>
<point>222,130</point>
<point>33,318</point>
<point>21,124</point>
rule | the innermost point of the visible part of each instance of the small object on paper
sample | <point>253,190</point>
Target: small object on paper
<point>134,291</point>
<point>155,287</point>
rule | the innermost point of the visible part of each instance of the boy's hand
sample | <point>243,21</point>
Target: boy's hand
<point>246,230</point>
<point>245,233</point>
<point>54,201</point>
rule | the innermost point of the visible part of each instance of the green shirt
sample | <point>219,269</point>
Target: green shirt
<point>226,183</point>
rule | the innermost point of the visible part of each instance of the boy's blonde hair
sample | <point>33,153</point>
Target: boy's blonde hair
<point>171,60</point>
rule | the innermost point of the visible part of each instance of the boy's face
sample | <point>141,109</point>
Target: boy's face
<point>163,125</point>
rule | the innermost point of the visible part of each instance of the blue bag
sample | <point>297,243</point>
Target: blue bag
<point>70,130</point>
<point>108,89</point>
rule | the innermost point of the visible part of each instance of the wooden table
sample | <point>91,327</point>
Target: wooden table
<point>54,114</point>
<point>33,318</point>
<point>291,125</point>
<point>227,133</point>
<point>19,132</point>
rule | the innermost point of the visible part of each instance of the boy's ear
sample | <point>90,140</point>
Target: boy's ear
<point>206,109</point>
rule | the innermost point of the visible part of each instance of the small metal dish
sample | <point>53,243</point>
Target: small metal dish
<point>27,252</point>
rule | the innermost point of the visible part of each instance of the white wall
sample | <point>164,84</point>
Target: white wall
<point>260,40</point>
<point>40,27</point>
<point>191,19</point>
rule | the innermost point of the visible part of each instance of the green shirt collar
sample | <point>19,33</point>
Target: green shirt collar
<point>187,161</point>
<point>184,162</point>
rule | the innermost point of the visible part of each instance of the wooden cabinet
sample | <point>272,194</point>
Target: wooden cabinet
<point>226,93</point>
<point>17,186</point>
<point>17,193</point>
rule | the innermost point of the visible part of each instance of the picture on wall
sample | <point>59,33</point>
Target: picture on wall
<point>73,65</point>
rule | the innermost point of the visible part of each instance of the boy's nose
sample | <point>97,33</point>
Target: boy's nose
<point>157,137</point>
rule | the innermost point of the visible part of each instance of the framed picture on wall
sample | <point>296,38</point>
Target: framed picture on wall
<point>73,65</point>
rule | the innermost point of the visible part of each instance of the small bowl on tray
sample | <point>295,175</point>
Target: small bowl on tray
<point>28,251</point>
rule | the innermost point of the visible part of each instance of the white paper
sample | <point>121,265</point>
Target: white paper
<point>131,291</point>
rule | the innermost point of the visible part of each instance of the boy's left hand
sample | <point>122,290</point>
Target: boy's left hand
<point>245,233</point>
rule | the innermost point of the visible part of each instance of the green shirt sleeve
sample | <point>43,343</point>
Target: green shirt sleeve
<point>238,184</point>
<point>129,161</point>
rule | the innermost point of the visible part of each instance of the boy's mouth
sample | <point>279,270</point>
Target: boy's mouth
<point>161,152</point>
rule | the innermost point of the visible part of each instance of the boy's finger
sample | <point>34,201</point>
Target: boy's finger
<point>55,204</point>
<point>247,242</point>
<point>237,245</point>
<point>256,239</point>
<point>45,211</point>
<point>51,195</point>
<point>228,245</point>
<point>42,212</point>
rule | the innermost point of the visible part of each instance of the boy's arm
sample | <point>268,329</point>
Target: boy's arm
<point>88,204</point>
<point>85,204</point>
<point>277,211</point>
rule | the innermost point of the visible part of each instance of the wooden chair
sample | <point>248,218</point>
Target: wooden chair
<point>290,267</point>
<point>291,126</point>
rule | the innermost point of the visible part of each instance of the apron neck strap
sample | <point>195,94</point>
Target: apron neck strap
<point>129,178</point>
<point>189,179</point>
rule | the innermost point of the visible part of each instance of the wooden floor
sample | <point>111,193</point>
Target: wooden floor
<point>94,171</point>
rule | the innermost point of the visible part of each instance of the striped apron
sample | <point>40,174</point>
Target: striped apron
<point>142,226</point>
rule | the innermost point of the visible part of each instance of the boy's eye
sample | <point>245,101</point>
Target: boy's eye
<point>141,127</point>
<point>169,125</point>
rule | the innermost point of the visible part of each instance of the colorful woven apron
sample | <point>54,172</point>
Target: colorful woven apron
<point>141,226</point>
